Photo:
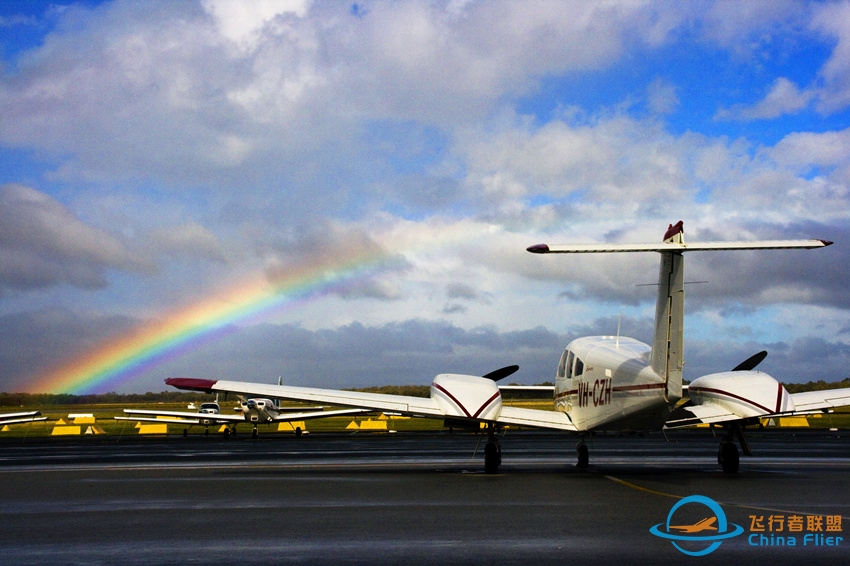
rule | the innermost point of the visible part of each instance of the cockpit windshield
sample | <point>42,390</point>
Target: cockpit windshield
<point>569,366</point>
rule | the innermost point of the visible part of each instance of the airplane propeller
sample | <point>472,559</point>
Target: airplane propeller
<point>501,373</point>
<point>751,362</point>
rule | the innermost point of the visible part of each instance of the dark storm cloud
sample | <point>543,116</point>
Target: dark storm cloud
<point>42,244</point>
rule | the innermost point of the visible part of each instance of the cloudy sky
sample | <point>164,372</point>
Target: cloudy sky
<point>391,161</point>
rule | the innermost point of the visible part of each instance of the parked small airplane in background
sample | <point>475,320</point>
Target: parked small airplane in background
<point>256,411</point>
<point>602,382</point>
<point>24,417</point>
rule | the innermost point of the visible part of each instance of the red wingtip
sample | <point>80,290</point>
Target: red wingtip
<point>192,383</point>
<point>538,249</point>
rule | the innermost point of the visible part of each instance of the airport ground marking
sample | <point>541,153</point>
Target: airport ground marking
<point>634,486</point>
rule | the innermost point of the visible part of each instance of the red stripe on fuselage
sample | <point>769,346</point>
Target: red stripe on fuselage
<point>622,388</point>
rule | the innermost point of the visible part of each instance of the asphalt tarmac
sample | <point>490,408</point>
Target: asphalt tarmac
<point>419,498</point>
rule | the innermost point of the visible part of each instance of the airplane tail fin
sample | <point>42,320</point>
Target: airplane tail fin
<point>667,357</point>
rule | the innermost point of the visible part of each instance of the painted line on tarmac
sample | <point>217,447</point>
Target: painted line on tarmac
<point>634,486</point>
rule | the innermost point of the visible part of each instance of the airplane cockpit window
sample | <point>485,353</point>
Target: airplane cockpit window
<point>562,365</point>
<point>579,367</point>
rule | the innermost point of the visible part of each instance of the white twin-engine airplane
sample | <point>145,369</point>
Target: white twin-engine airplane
<point>602,382</point>
<point>256,411</point>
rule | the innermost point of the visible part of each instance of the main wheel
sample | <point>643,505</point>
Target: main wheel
<point>728,457</point>
<point>583,455</point>
<point>255,433</point>
<point>492,458</point>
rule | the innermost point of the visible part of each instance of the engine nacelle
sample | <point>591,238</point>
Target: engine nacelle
<point>745,393</point>
<point>467,396</point>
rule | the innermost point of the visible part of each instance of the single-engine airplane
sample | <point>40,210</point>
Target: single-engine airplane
<point>256,411</point>
<point>23,417</point>
<point>602,382</point>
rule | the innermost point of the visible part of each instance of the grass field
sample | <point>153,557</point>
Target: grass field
<point>103,421</point>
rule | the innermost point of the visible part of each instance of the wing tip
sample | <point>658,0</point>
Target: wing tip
<point>191,383</point>
<point>538,249</point>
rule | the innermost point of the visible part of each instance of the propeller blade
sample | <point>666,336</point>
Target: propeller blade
<point>501,373</point>
<point>751,362</point>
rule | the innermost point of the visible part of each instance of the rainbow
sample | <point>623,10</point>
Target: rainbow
<point>125,357</point>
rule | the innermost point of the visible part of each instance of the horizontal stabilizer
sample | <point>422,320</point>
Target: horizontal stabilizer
<point>675,247</point>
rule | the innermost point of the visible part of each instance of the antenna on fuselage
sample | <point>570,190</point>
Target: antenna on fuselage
<point>619,320</point>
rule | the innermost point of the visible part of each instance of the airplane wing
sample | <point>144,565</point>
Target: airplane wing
<point>451,404</point>
<point>164,420</point>
<point>807,403</point>
<point>821,401</point>
<point>420,406</point>
<point>18,418</point>
<point>181,417</point>
<point>22,420</point>
<point>691,415</point>
<point>318,415</point>
<point>536,418</point>
<point>197,417</point>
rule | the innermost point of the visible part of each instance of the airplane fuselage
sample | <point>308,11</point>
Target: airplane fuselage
<point>607,382</point>
<point>259,410</point>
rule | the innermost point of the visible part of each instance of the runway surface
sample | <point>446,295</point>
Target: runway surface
<point>413,498</point>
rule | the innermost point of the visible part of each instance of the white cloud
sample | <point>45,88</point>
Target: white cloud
<point>243,22</point>
<point>831,20</point>
<point>784,97</point>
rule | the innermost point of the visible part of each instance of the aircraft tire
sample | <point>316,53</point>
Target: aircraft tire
<point>583,455</point>
<point>255,433</point>
<point>728,457</point>
<point>492,458</point>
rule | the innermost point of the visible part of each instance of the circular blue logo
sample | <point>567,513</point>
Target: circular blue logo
<point>716,523</point>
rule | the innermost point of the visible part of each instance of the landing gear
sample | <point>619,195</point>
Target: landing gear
<point>227,433</point>
<point>727,455</point>
<point>492,452</point>
<point>255,433</point>
<point>583,455</point>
